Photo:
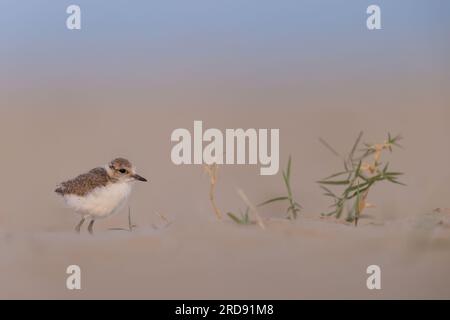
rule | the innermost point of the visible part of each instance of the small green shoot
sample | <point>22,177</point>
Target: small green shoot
<point>294,207</point>
<point>243,218</point>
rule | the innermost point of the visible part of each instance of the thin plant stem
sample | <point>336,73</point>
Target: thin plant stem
<point>212,173</point>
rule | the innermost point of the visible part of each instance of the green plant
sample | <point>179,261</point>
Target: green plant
<point>243,218</point>
<point>294,207</point>
<point>359,177</point>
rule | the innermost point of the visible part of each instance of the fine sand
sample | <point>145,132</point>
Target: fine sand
<point>309,258</point>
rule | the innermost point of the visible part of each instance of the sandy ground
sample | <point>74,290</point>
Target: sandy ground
<point>196,256</point>
<point>308,258</point>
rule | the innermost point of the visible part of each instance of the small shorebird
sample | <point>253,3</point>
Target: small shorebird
<point>101,192</point>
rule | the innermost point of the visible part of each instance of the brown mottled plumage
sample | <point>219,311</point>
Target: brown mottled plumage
<point>86,182</point>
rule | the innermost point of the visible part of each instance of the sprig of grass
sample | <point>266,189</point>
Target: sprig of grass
<point>243,218</point>
<point>358,177</point>
<point>294,207</point>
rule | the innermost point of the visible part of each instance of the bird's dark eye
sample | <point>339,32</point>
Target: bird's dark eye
<point>123,171</point>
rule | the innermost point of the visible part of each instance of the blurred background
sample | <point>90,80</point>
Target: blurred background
<point>71,100</point>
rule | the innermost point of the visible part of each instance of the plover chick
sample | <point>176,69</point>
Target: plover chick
<point>100,192</point>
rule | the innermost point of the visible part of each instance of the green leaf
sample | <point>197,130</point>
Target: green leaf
<point>395,140</point>
<point>286,180</point>
<point>355,145</point>
<point>288,185</point>
<point>395,181</point>
<point>234,218</point>
<point>357,202</point>
<point>362,176</point>
<point>339,211</point>
<point>273,200</point>
<point>288,170</point>
<point>340,182</point>
<point>327,145</point>
<point>394,173</point>
<point>355,187</point>
<point>336,175</point>
<point>362,190</point>
<point>328,192</point>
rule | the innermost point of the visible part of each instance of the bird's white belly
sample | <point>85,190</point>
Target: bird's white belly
<point>100,202</point>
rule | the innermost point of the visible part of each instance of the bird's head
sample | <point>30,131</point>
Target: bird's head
<point>122,170</point>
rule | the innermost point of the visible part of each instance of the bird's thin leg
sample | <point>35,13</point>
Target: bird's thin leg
<point>90,227</point>
<point>78,227</point>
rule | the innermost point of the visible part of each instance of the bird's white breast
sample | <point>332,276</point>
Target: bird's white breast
<point>100,202</point>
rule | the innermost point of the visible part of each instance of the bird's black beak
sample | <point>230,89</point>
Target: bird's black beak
<point>139,178</point>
